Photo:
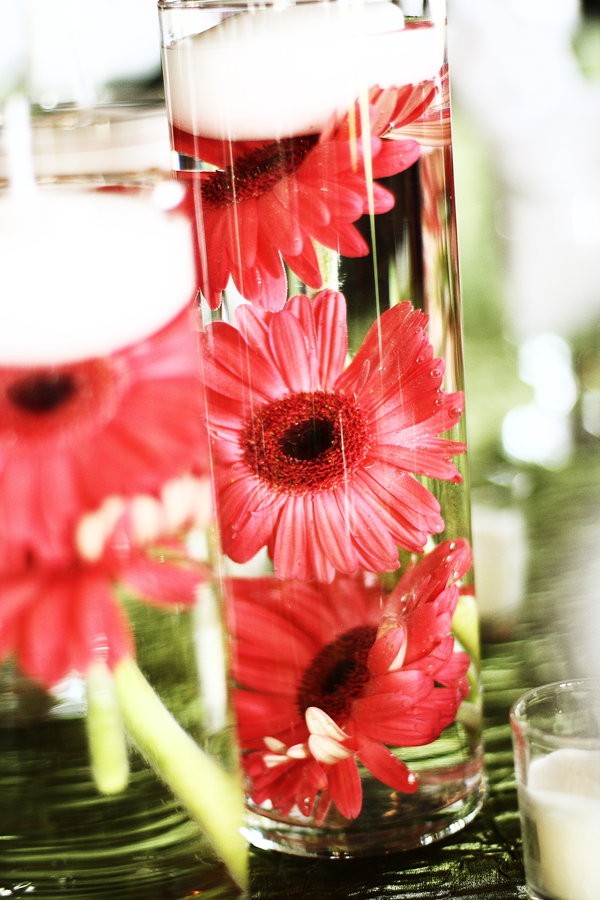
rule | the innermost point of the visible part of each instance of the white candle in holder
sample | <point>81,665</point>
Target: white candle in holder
<point>86,272</point>
<point>560,806</point>
<point>283,71</point>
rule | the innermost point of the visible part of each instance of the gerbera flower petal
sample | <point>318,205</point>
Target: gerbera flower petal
<point>289,549</point>
<point>213,246</point>
<point>403,526</point>
<point>388,651</point>
<point>385,766</point>
<point>350,201</point>
<point>259,283</point>
<point>395,156</point>
<point>330,528</point>
<point>246,232</point>
<point>69,619</point>
<point>388,721</point>
<point>329,310</point>
<point>164,581</point>
<point>288,342</point>
<point>345,787</point>
<point>433,460</point>
<point>409,685</point>
<point>323,568</point>
<point>343,238</point>
<point>249,517</point>
<point>404,335</point>
<point>279,637</point>
<point>254,711</point>
<point>228,364</point>
<point>42,651</point>
<point>443,703</point>
<point>375,546</point>
<point>453,671</point>
<point>427,581</point>
<point>271,262</point>
<point>306,266</point>
<point>276,218</point>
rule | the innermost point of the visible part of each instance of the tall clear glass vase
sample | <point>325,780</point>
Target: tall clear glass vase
<point>314,144</point>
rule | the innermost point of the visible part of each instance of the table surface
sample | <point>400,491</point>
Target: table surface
<point>484,860</point>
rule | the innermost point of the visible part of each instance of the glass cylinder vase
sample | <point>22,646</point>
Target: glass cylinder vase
<point>314,143</point>
<point>118,777</point>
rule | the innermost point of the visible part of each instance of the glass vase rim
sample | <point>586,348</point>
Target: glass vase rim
<point>257,4</point>
<point>519,713</point>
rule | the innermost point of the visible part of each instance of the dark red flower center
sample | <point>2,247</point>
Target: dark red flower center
<point>337,674</point>
<point>256,172</point>
<point>306,442</point>
<point>41,392</point>
<point>40,404</point>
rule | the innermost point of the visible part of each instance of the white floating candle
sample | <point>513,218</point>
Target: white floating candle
<point>283,71</point>
<point>561,811</point>
<point>87,272</point>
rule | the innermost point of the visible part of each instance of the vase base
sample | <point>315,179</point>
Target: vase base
<point>408,829</point>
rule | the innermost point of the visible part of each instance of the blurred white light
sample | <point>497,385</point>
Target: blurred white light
<point>546,363</point>
<point>76,48</point>
<point>500,552</point>
<point>536,435</point>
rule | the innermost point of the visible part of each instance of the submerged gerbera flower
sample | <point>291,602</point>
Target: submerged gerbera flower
<point>56,619</point>
<point>72,435</point>
<point>315,461</point>
<point>269,202</point>
<point>332,676</point>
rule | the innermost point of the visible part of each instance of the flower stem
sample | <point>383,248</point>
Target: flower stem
<point>210,794</point>
<point>105,732</point>
<point>329,264</point>
<point>465,627</point>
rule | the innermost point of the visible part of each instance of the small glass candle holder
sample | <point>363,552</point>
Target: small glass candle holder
<point>556,737</point>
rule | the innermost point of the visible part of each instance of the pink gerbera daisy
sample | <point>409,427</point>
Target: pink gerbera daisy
<point>71,435</point>
<point>269,202</point>
<point>317,461</point>
<point>56,619</point>
<point>330,677</point>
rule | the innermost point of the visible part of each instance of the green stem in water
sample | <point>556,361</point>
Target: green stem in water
<point>465,627</point>
<point>105,732</point>
<point>329,265</point>
<point>210,794</point>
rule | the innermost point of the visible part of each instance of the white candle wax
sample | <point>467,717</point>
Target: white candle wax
<point>562,802</point>
<point>85,273</point>
<point>284,71</point>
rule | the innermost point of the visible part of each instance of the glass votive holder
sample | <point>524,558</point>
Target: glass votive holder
<point>556,739</point>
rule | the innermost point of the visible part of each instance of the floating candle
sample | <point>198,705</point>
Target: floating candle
<point>283,71</point>
<point>87,272</point>
<point>560,807</point>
